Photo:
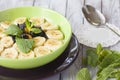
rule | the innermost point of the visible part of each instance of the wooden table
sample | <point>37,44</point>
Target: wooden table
<point>71,9</point>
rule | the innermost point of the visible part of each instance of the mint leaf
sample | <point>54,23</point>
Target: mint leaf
<point>118,76</point>
<point>106,72</point>
<point>32,24</point>
<point>115,73</point>
<point>36,30</point>
<point>92,57</point>
<point>13,30</point>
<point>25,45</point>
<point>110,58</point>
<point>28,24</point>
<point>83,74</point>
<point>103,54</point>
<point>99,48</point>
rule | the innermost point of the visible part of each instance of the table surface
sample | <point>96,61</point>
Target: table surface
<point>71,9</point>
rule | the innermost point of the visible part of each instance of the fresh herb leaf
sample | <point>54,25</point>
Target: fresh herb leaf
<point>110,58</point>
<point>36,30</point>
<point>107,62</point>
<point>30,27</point>
<point>83,74</point>
<point>115,73</point>
<point>32,24</point>
<point>106,72</point>
<point>28,24</point>
<point>25,45</point>
<point>103,54</point>
<point>118,76</point>
<point>92,57</point>
<point>13,30</point>
<point>99,48</point>
<point>84,61</point>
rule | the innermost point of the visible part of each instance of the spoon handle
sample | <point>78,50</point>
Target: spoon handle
<point>113,28</point>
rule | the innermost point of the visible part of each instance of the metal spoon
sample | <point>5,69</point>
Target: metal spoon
<point>95,17</point>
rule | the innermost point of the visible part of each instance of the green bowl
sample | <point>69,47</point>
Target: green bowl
<point>56,18</point>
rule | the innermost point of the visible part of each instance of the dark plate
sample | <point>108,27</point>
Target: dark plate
<point>52,68</point>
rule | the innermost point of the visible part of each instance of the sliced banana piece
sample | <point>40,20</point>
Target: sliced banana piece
<point>1,32</point>
<point>2,35</point>
<point>16,47</point>
<point>26,55</point>
<point>55,34</point>
<point>9,53</point>
<point>20,20</point>
<point>41,51</point>
<point>37,21</point>
<point>1,48</point>
<point>2,29</point>
<point>5,24</point>
<point>53,44</point>
<point>39,41</point>
<point>48,26</point>
<point>7,41</point>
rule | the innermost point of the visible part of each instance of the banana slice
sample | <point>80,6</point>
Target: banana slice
<point>2,35</point>
<point>37,21</point>
<point>9,53</point>
<point>1,32</point>
<point>55,34</point>
<point>1,48</point>
<point>53,44</point>
<point>41,51</point>
<point>16,47</point>
<point>20,20</point>
<point>7,41</point>
<point>48,26</point>
<point>26,55</point>
<point>2,29</point>
<point>5,24</point>
<point>39,41</point>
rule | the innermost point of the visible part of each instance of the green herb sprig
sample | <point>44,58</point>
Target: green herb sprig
<point>30,27</point>
<point>107,61</point>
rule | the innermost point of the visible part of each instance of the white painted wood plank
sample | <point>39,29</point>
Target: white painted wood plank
<point>5,4</point>
<point>74,16</point>
<point>97,5</point>
<point>111,10</point>
<point>54,77</point>
<point>70,73</point>
<point>42,3</point>
<point>59,5</point>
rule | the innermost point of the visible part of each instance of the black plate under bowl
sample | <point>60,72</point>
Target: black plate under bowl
<point>52,68</point>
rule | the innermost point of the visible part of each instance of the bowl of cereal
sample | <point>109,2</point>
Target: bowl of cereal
<point>31,37</point>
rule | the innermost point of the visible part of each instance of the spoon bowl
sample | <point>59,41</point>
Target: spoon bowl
<point>93,15</point>
<point>96,18</point>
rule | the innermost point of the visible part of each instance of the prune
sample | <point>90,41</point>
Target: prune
<point>21,26</point>
<point>26,36</point>
<point>43,34</point>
